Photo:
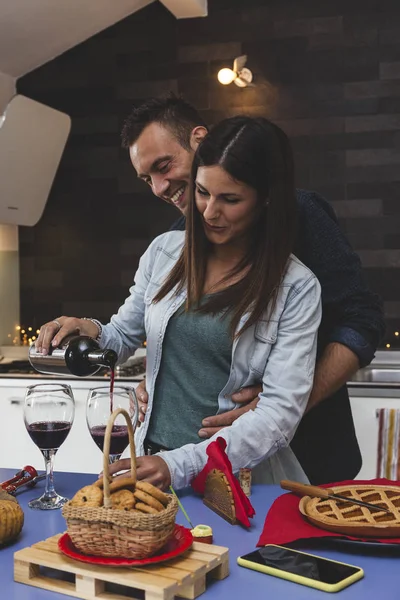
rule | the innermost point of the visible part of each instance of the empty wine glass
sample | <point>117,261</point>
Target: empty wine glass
<point>48,414</point>
<point>100,405</point>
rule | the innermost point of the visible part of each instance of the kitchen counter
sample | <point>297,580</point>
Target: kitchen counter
<point>366,389</point>
<point>380,565</point>
<point>380,378</point>
<point>59,378</point>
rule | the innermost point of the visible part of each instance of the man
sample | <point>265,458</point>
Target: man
<point>162,136</point>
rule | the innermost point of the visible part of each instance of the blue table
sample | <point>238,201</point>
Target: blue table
<point>382,568</point>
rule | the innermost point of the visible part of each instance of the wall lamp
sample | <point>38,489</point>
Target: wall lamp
<point>239,74</point>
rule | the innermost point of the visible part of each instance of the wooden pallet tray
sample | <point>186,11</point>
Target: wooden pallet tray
<point>43,565</point>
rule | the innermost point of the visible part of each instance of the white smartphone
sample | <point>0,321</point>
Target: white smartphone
<point>300,567</point>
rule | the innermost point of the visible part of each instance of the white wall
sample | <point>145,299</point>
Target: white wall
<point>9,282</point>
<point>9,259</point>
<point>7,90</point>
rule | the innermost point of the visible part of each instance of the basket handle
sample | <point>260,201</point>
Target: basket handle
<point>106,452</point>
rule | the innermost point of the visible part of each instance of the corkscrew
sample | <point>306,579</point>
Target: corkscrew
<point>28,476</point>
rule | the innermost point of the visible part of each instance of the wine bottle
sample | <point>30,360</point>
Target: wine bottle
<point>77,355</point>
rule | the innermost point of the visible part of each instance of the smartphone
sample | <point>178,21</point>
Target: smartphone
<point>316,572</point>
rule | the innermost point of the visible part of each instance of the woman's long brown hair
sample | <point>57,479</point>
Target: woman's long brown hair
<point>256,152</point>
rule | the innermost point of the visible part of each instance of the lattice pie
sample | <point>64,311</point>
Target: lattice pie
<point>351,519</point>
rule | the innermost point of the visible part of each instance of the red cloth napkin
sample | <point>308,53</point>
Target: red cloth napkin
<point>284,522</point>
<point>218,459</point>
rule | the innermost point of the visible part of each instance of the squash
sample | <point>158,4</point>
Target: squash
<point>11,517</point>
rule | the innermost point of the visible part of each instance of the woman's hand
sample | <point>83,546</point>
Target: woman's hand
<point>142,398</point>
<point>148,468</point>
<point>53,332</point>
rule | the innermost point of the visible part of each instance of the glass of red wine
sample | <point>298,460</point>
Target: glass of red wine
<point>49,413</point>
<point>100,405</point>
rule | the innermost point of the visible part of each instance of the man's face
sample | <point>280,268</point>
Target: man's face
<point>161,161</point>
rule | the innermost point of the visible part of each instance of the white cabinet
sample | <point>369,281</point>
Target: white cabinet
<point>78,453</point>
<point>364,409</point>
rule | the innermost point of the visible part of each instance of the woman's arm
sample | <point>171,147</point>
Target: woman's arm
<point>125,332</point>
<point>287,382</point>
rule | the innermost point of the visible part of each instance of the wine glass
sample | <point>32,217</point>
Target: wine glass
<point>48,414</point>
<point>100,405</point>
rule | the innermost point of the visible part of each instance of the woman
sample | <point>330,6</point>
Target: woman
<point>223,306</point>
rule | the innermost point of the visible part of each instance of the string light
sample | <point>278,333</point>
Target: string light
<point>387,345</point>
<point>396,333</point>
<point>21,337</point>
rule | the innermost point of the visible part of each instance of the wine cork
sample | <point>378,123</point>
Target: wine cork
<point>245,481</point>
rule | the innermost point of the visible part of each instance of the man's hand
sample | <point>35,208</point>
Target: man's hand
<point>142,398</point>
<point>247,396</point>
<point>148,468</point>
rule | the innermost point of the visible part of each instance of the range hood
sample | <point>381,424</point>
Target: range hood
<point>32,140</point>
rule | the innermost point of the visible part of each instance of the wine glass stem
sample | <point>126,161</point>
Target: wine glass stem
<point>49,455</point>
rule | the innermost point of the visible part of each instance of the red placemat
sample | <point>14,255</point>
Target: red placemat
<point>284,523</point>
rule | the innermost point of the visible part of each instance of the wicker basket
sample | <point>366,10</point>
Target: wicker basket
<point>105,531</point>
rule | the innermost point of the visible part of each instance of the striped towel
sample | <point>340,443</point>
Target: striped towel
<point>388,460</point>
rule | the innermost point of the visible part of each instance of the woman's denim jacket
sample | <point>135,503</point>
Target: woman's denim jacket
<point>279,353</point>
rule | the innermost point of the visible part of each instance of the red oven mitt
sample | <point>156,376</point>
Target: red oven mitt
<point>284,523</point>
<point>218,459</point>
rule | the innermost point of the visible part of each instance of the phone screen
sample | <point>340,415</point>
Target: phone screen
<point>285,559</point>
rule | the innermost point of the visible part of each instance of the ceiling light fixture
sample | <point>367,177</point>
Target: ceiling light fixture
<point>239,74</point>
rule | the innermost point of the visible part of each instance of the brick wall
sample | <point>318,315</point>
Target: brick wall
<point>327,72</point>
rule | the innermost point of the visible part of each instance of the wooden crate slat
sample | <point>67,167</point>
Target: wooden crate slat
<point>64,563</point>
<point>186,562</point>
<point>131,578</point>
<point>210,548</point>
<point>47,545</point>
<point>183,576</point>
<point>209,559</point>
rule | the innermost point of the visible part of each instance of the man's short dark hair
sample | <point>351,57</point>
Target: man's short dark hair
<point>171,111</point>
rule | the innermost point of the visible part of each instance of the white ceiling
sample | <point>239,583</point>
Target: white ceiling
<point>32,32</point>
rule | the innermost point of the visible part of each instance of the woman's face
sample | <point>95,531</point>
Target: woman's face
<point>228,207</point>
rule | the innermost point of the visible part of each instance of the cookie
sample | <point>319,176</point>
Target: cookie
<point>149,500</point>
<point>90,496</point>
<point>145,508</point>
<point>100,483</point>
<point>150,489</point>
<point>123,483</point>
<point>123,500</point>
